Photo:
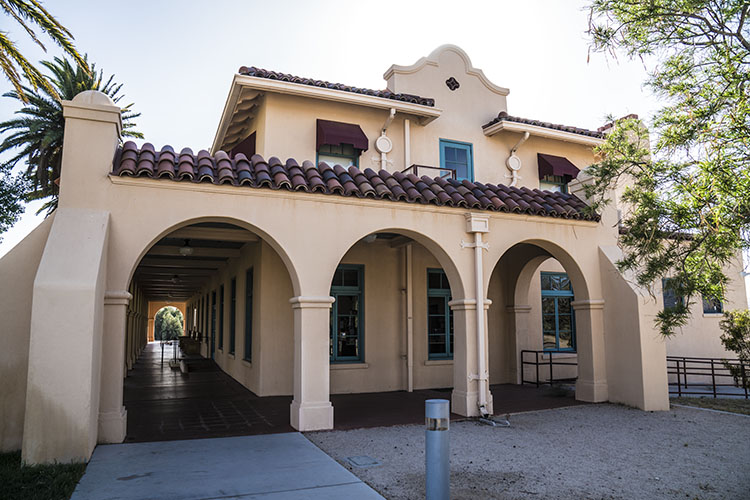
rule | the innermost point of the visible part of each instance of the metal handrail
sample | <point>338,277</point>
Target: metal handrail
<point>703,368</point>
<point>549,362</point>
<point>450,172</point>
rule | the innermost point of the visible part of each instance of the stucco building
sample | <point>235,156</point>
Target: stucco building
<point>335,239</point>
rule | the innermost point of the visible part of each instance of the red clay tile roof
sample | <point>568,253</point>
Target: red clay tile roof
<point>259,173</point>
<point>285,77</point>
<point>503,116</point>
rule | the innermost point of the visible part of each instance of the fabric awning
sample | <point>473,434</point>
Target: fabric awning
<point>337,133</point>
<point>556,165</point>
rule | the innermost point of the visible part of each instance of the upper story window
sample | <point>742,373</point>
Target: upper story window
<point>339,143</point>
<point>553,183</point>
<point>555,172</point>
<point>670,297</point>
<point>459,157</point>
<point>712,306</point>
<point>344,154</point>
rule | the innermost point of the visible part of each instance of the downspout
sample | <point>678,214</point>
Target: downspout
<point>407,144</point>
<point>383,144</point>
<point>478,277</point>
<point>514,162</point>
<point>409,320</point>
<point>479,224</point>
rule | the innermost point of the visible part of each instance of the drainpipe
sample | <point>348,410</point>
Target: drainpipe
<point>514,162</point>
<point>479,224</point>
<point>407,144</point>
<point>383,144</point>
<point>409,320</point>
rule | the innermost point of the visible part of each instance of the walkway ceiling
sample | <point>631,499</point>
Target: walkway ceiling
<point>165,274</point>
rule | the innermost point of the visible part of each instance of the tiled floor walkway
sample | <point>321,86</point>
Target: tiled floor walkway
<point>164,404</point>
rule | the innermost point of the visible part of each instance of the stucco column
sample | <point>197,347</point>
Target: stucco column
<point>591,385</point>
<point>311,408</point>
<point>465,395</point>
<point>112,413</point>
<point>522,339</point>
<point>129,342</point>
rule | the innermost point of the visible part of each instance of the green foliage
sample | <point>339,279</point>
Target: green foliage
<point>28,13</point>
<point>736,338</point>
<point>688,191</point>
<point>36,133</point>
<point>168,323</point>
<point>37,482</point>
<point>12,189</point>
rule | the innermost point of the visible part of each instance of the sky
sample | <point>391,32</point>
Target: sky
<point>176,59</point>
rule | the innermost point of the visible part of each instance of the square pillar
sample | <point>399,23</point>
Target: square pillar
<point>112,413</point>
<point>311,408</point>
<point>591,385</point>
<point>465,395</point>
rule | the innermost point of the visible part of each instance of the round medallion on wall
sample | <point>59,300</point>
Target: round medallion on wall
<point>452,83</point>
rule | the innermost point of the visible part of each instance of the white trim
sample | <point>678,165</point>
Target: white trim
<point>549,133</point>
<point>432,60</point>
<point>426,113</point>
<point>349,366</point>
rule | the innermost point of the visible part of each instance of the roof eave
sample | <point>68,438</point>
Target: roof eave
<point>426,114</point>
<point>548,133</point>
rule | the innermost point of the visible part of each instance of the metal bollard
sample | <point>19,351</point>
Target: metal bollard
<point>437,449</point>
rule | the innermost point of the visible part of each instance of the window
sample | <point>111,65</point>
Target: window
<point>439,316</point>
<point>342,154</point>
<point>671,299</point>
<point>232,313</point>
<point>346,314</point>
<point>556,183</point>
<point>249,314</point>
<point>712,306</point>
<point>221,317</point>
<point>458,157</point>
<point>558,320</point>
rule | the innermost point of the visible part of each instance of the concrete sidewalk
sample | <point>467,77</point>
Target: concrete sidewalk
<point>277,466</point>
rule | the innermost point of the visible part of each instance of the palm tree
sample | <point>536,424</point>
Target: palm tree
<point>28,13</point>
<point>36,134</point>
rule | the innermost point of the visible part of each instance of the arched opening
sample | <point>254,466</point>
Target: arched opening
<point>392,329</point>
<point>168,323</point>
<point>232,367</point>
<point>533,326</point>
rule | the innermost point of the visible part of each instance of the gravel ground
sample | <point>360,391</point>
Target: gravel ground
<point>592,452</point>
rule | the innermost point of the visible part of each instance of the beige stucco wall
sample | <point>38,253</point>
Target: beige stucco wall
<point>17,267</point>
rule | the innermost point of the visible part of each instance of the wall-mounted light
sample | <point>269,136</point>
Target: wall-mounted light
<point>186,250</point>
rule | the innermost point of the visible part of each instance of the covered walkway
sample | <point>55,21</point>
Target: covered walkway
<point>165,404</point>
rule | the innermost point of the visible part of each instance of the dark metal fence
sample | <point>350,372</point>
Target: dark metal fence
<point>531,358</point>
<point>689,376</point>
<point>420,170</point>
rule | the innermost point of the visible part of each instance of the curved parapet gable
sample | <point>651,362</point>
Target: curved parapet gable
<point>391,76</point>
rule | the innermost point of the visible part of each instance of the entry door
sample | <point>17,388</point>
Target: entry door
<point>213,324</point>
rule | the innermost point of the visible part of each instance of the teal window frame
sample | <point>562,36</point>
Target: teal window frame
<point>249,276</point>
<point>232,314</point>
<point>445,295</point>
<point>669,297</point>
<point>556,295</point>
<point>354,156</point>
<point>712,306</point>
<point>468,147</point>
<point>358,290</point>
<point>557,180</point>
<point>213,323</point>
<point>221,317</point>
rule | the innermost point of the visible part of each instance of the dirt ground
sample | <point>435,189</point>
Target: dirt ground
<point>586,452</point>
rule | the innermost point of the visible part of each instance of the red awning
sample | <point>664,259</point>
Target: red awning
<point>556,165</point>
<point>337,133</point>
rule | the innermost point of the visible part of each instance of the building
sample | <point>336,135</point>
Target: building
<point>440,236</point>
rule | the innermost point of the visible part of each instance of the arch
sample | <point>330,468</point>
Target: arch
<point>152,326</point>
<point>529,249</point>
<point>445,260</point>
<point>285,258</point>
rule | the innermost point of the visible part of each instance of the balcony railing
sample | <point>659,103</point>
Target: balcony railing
<point>420,170</point>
